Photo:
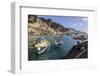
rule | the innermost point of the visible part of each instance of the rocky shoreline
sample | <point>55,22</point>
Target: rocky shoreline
<point>78,51</point>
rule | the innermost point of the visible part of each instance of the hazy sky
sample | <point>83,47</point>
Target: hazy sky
<point>76,22</point>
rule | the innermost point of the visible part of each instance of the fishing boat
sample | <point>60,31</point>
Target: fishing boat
<point>79,37</point>
<point>41,45</point>
<point>59,41</point>
<point>76,36</point>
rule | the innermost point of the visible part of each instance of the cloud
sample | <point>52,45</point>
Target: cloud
<point>81,24</point>
<point>75,25</point>
<point>85,19</point>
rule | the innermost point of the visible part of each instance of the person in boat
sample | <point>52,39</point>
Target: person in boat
<point>78,42</point>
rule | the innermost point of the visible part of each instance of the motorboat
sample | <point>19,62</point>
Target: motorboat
<point>59,41</point>
<point>79,37</point>
<point>41,45</point>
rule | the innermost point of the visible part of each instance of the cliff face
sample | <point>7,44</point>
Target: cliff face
<point>39,25</point>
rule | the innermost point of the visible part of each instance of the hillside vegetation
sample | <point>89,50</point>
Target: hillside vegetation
<point>39,25</point>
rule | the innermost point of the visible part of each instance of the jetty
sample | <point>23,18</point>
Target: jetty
<point>78,51</point>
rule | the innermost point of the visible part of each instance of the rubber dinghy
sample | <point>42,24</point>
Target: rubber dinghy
<point>42,45</point>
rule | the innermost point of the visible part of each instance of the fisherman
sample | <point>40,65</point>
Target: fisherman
<point>78,42</point>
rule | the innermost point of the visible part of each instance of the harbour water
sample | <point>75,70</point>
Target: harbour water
<point>53,51</point>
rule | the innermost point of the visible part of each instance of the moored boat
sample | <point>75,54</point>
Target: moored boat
<point>41,45</point>
<point>59,41</point>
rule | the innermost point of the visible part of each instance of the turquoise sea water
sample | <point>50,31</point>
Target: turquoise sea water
<point>53,52</point>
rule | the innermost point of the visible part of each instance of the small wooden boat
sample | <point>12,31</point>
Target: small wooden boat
<point>59,41</point>
<point>42,45</point>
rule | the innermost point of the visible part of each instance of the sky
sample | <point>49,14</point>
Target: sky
<point>77,22</point>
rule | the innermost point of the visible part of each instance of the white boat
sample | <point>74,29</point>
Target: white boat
<point>59,41</point>
<point>42,45</point>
